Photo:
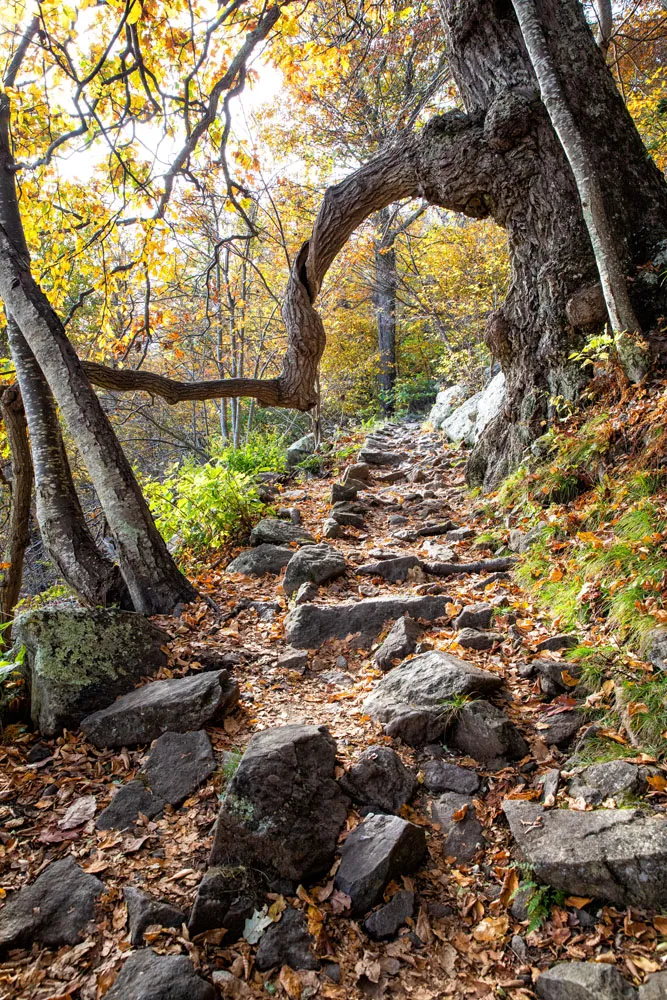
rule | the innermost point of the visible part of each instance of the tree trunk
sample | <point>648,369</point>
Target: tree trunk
<point>18,528</point>
<point>384,300</point>
<point>67,539</point>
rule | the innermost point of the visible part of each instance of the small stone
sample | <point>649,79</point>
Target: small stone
<point>655,987</point>
<point>442,777</point>
<point>520,949</point>
<point>332,529</point>
<point>294,659</point>
<point>492,578</point>
<point>556,676</point>
<point>519,906</point>
<point>313,564</point>
<point>148,976</point>
<point>360,472</point>
<point>559,728</point>
<point>385,922</point>
<point>373,457</point>
<point>273,531</point>
<point>332,971</point>
<point>616,779</point>
<point>399,643</point>
<point>391,477</point>
<point>471,638</point>
<point>583,981</point>
<point>556,642</point>
<point>265,558</point>
<point>225,898</point>
<point>458,821</point>
<point>474,616</point>
<point>459,534</point>
<point>655,648</point>
<point>391,570</point>
<point>301,449</point>
<point>54,910</point>
<point>347,491</point>
<point>379,779</point>
<point>144,911</point>
<point>550,782</point>
<point>485,733</point>
<point>349,520</point>
<point>307,592</point>
<point>287,942</point>
<point>436,528</point>
<point>397,520</point>
<point>380,849</point>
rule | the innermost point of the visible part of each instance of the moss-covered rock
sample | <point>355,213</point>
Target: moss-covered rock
<point>78,660</point>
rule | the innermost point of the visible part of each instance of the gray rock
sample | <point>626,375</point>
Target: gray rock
<point>379,779</point>
<point>485,733</point>
<point>422,685</point>
<point>617,779</point>
<point>178,706</point>
<point>432,528</point>
<point>655,648</point>
<point>520,541</point>
<point>262,559</point>
<point>520,901</point>
<point>493,578</point>
<point>442,777</point>
<point>226,897</point>
<point>618,855</point>
<point>560,727</point>
<point>391,570</point>
<point>417,726</point>
<point>348,520</point>
<point>176,766</point>
<point>397,520</point>
<point>472,638</point>
<point>359,472</point>
<point>475,616</point>
<point>144,911</point>
<point>332,529</point>
<point>380,849</point>
<point>655,987</point>
<point>463,837</point>
<point>300,449</point>
<point>77,661</point>
<point>287,942</point>
<point>293,659</point>
<point>55,909</point>
<point>550,782</point>
<point>385,922</point>
<point>556,642</point>
<point>283,810</point>
<point>349,507</point>
<point>375,457</point>
<point>400,642</point>
<point>309,626</point>
<point>459,534</point>
<point>459,425</point>
<point>345,491</point>
<point>446,402</point>
<point>391,477</point>
<point>583,981</point>
<point>147,976</point>
<point>273,531</point>
<point>313,564</point>
<point>550,673</point>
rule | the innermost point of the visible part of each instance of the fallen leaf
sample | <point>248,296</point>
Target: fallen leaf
<point>491,928</point>
<point>81,810</point>
<point>290,982</point>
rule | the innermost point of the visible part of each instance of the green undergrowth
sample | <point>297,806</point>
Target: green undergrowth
<point>594,491</point>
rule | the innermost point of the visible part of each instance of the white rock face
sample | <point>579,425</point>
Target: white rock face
<point>467,421</point>
<point>446,402</point>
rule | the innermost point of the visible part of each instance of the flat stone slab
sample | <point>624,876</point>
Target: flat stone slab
<point>78,660</point>
<point>422,684</point>
<point>56,909</point>
<point>380,849</point>
<point>313,564</point>
<point>584,981</point>
<point>391,570</point>
<point>619,855</point>
<point>148,976</point>
<point>178,706</point>
<point>177,765</point>
<point>273,531</point>
<point>264,558</point>
<point>310,625</point>
<point>380,458</point>
<point>282,811</point>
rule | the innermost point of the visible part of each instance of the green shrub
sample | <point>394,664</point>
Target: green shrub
<point>263,451</point>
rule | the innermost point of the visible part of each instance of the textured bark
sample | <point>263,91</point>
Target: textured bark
<point>18,528</point>
<point>67,539</point>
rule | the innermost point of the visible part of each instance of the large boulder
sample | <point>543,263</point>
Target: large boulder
<point>489,404</point>
<point>176,766</point>
<point>77,660</point>
<point>177,706</point>
<point>310,625</point>
<point>380,849</point>
<point>313,564</point>
<point>273,531</point>
<point>446,402</point>
<point>583,981</point>
<point>301,449</point>
<point>460,424</point>
<point>56,909</point>
<point>283,810</point>
<point>264,558</point>
<point>423,685</point>
<point>148,976</point>
<point>618,855</point>
<point>379,780</point>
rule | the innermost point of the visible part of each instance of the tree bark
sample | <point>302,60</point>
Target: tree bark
<point>18,528</point>
<point>67,539</point>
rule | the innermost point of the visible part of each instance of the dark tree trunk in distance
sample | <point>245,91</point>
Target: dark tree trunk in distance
<point>384,300</point>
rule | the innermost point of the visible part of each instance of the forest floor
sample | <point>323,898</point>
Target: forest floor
<point>463,940</point>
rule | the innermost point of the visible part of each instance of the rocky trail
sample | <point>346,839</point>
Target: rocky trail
<point>355,776</point>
